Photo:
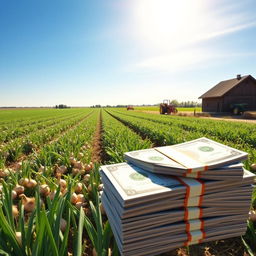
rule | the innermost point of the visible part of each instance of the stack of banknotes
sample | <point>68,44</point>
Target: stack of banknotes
<point>153,208</point>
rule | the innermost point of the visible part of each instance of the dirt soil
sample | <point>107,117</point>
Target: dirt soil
<point>227,247</point>
<point>222,118</point>
<point>97,152</point>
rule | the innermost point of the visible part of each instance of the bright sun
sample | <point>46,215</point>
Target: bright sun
<point>167,23</point>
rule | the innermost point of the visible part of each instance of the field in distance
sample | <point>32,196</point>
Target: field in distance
<point>156,108</point>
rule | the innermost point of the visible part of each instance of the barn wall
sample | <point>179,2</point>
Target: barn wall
<point>242,93</point>
<point>212,105</point>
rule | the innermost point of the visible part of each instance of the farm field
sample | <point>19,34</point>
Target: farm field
<point>156,108</point>
<point>50,184</point>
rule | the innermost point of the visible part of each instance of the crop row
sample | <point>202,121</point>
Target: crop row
<point>169,132</point>
<point>12,151</point>
<point>239,133</point>
<point>51,200</point>
<point>18,131</point>
<point>118,139</point>
<point>13,118</point>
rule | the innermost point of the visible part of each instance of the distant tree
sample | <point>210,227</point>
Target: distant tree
<point>175,103</point>
<point>61,106</point>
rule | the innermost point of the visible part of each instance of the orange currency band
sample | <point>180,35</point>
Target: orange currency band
<point>189,171</point>
<point>186,212</point>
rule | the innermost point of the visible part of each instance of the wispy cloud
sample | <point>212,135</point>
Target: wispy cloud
<point>187,60</point>
<point>226,31</point>
<point>176,33</point>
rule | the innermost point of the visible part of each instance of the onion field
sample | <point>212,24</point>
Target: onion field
<point>50,184</point>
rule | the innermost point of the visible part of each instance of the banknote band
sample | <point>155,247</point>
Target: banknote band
<point>195,189</point>
<point>192,213</point>
<point>195,174</point>
<point>192,225</point>
<point>195,237</point>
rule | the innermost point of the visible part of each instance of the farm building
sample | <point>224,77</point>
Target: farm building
<point>239,90</point>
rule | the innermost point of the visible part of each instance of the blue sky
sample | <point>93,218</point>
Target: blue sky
<point>81,53</point>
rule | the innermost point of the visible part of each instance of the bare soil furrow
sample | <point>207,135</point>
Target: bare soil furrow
<point>97,152</point>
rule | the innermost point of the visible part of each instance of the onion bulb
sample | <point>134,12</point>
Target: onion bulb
<point>44,190</point>
<point>79,187</point>
<point>102,210</point>
<point>19,189</point>
<point>31,183</point>
<point>89,188</point>
<point>52,195</point>
<point>100,187</point>
<point>41,169</point>
<point>87,168</point>
<point>62,169</point>
<point>72,160</point>
<point>82,171</point>
<point>73,198</point>
<point>80,198</point>
<point>4,173</point>
<point>23,182</point>
<point>29,203</point>
<point>79,205</point>
<point>15,211</point>
<point>63,225</point>
<point>86,178</point>
<point>62,183</point>
<point>78,165</point>
<point>14,194</point>
<point>18,237</point>
<point>253,167</point>
<point>75,171</point>
<point>63,192</point>
<point>252,215</point>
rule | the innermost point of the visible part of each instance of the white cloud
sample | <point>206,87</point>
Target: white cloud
<point>171,32</point>
<point>187,59</point>
<point>176,61</point>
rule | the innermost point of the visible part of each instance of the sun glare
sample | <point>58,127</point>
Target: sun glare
<point>166,23</point>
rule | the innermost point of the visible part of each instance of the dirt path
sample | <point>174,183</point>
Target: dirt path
<point>236,119</point>
<point>191,114</point>
<point>97,147</point>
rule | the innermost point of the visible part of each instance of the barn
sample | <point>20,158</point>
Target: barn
<point>239,90</point>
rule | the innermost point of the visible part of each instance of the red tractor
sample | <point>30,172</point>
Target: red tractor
<point>167,108</point>
<point>130,107</point>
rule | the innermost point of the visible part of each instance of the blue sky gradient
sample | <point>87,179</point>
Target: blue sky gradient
<point>83,52</point>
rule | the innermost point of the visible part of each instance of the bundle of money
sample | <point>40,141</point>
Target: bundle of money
<point>151,213</point>
<point>201,158</point>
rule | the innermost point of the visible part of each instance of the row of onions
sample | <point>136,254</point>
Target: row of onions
<point>25,145</point>
<point>50,201</point>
